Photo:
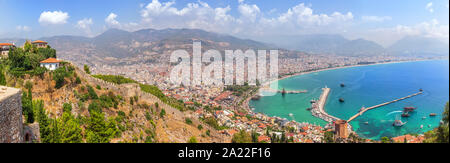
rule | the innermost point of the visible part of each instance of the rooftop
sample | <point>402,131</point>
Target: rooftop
<point>51,60</point>
<point>39,41</point>
<point>5,92</point>
<point>6,44</point>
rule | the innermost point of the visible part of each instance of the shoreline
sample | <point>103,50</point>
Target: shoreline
<point>246,103</point>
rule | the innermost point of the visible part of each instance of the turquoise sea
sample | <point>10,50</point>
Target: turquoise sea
<point>368,86</point>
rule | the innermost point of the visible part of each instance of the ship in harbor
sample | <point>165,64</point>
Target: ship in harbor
<point>398,122</point>
<point>409,109</point>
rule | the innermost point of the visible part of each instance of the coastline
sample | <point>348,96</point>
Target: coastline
<point>246,103</point>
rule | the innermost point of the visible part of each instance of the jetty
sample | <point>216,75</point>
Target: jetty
<point>293,92</point>
<point>318,107</point>
<point>362,111</point>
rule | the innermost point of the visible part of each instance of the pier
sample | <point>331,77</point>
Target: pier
<point>318,108</point>
<point>380,105</point>
<point>293,92</point>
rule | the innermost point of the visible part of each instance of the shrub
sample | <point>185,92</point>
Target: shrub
<point>188,121</point>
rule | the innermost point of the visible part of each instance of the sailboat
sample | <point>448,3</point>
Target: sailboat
<point>398,122</point>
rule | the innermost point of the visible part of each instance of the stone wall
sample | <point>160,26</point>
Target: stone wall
<point>11,124</point>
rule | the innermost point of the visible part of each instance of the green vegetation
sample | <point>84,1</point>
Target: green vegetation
<point>2,75</point>
<point>61,73</point>
<point>213,123</point>
<point>27,60</point>
<point>441,133</point>
<point>193,139</point>
<point>200,127</point>
<point>188,121</point>
<point>100,130</point>
<point>27,103</point>
<point>241,137</point>
<point>67,107</point>
<point>116,79</point>
<point>386,140</point>
<point>145,88</point>
<point>239,90</point>
<point>328,137</point>
<point>86,69</point>
<point>66,129</point>
<point>162,113</point>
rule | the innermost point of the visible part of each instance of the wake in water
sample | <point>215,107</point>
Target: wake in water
<point>393,113</point>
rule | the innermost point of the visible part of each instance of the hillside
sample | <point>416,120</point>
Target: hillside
<point>413,45</point>
<point>72,106</point>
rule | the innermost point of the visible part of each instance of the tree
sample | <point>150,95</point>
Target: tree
<point>2,77</point>
<point>193,139</point>
<point>328,137</point>
<point>442,133</point>
<point>162,113</point>
<point>241,137</point>
<point>386,140</point>
<point>99,130</point>
<point>67,107</point>
<point>70,129</point>
<point>86,69</point>
<point>44,121</point>
<point>27,103</point>
<point>255,137</point>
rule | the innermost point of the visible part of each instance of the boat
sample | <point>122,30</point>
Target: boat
<point>342,85</point>
<point>409,109</point>
<point>421,126</point>
<point>398,122</point>
<point>366,123</point>
<point>309,109</point>
<point>406,114</point>
<point>257,97</point>
<point>433,114</point>
<point>341,100</point>
<point>362,109</point>
<point>313,101</point>
<point>424,117</point>
<point>283,93</point>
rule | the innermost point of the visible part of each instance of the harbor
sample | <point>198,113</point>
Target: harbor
<point>318,107</point>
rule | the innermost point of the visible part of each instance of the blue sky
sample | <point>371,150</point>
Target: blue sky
<point>244,18</point>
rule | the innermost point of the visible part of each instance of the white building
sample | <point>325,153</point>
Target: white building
<point>51,63</point>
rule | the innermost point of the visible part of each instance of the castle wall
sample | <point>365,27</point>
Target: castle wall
<point>11,124</point>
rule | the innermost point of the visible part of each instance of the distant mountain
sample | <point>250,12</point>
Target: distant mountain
<point>413,45</point>
<point>328,44</point>
<point>122,44</point>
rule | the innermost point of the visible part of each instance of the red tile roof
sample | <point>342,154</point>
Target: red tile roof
<point>6,44</point>
<point>39,41</point>
<point>51,60</point>
<point>263,138</point>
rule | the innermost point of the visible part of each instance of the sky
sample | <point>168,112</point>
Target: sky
<point>382,21</point>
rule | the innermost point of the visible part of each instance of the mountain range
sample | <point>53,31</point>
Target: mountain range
<point>115,43</point>
<point>338,45</point>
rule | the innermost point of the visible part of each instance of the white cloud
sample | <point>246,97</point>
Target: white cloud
<point>431,29</point>
<point>249,12</point>
<point>23,28</point>
<point>85,24</point>
<point>250,20</point>
<point>111,20</point>
<point>55,17</point>
<point>376,18</point>
<point>429,7</point>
